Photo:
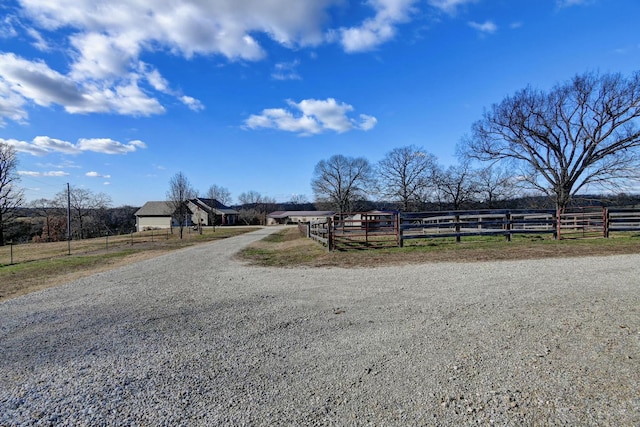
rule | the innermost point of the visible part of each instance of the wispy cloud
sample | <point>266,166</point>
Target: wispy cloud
<point>43,145</point>
<point>311,117</point>
<point>450,6</point>
<point>7,27</point>
<point>286,71</point>
<point>35,174</point>
<point>569,3</point>
<point>487,27</point>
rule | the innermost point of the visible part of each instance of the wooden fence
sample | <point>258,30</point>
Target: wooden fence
<point>458,224</point>
<point>383,229</point>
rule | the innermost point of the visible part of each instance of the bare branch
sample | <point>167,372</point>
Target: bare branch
<point>582,132</point>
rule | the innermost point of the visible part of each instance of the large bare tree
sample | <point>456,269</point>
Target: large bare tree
<point>404,175</point>
<point>11,196</point>
<point>579,133</point>
<point>179,193</point>
<point>341,181</point>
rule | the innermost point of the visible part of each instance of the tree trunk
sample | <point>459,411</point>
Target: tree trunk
<point>1,230</point>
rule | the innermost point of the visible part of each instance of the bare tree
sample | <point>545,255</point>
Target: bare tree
<point>178,196</point>
<point>404,175</point>
<point>298,199</point>
<point>219,193</point>
<point>495,184</point>
<point>456,186</point>
<point>86,206</point>
<point>255,207</point>
<point>49,211</point>
<point>579,133</point>
<point>341,181</point>
<point>11,196</point>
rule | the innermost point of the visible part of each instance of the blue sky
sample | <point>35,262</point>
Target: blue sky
<point>117,96</point>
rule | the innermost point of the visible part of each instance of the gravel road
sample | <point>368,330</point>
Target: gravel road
<point>196,338</point>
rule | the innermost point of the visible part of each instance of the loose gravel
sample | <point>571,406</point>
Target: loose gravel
<point>195,338</point>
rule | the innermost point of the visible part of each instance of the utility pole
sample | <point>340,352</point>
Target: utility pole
<point>69,218</point>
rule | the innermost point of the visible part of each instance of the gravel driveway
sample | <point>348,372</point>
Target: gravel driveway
<point>195,338</point>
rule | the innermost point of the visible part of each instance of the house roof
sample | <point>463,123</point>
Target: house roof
<point>285,214</point>
<point>155,209</point>
<point>218,207</point>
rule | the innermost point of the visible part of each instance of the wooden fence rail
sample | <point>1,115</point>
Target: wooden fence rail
<point>622,220</point>
<point>320,231</point>
<point>383,229</point>
<point>458,224</point>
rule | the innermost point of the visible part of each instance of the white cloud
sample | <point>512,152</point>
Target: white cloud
<point>379,29</point>
<point>313,117</point>
<point>367,122</point>
<point>35,81</point>
<point>487,27</point>
<point>109,146</point>
<point>94,174</point>
<point>192,103</point>
<point>189,27</point>
<point>43,145</point>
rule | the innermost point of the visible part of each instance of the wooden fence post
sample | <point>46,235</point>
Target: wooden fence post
<point>558,235</point>
<point>457,220</point>
<point>605,222</point>
<point>330,235</point>
<point>399,230</point>
<point>507,218</point>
